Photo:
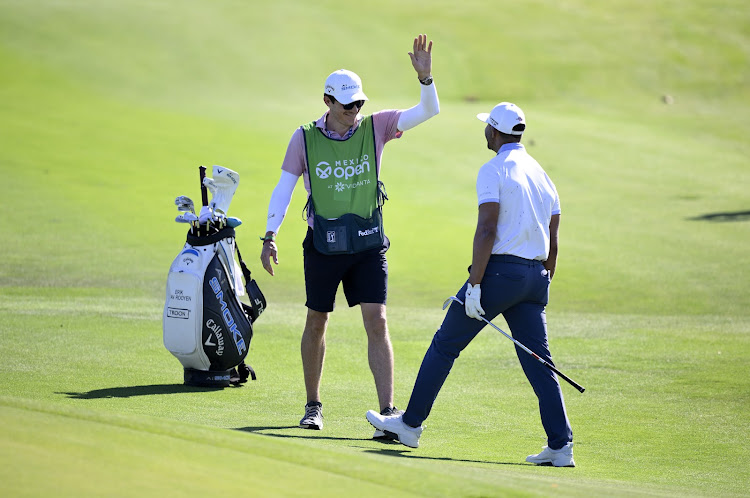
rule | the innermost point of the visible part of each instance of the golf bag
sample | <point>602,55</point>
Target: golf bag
<point>206,325</point>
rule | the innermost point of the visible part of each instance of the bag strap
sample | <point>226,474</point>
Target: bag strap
<point>245,270</point>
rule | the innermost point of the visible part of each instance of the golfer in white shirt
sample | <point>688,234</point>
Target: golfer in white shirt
<point>514,259</point>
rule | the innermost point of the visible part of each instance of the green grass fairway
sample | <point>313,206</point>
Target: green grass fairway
<point>637,110</point>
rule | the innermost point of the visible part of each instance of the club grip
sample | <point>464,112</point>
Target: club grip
<point>204,190</point>
<point>567,379</point>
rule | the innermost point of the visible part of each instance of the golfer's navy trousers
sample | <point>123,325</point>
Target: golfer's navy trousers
<point>518,289</point>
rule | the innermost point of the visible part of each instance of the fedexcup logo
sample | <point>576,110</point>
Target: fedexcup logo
<point>323,173</point>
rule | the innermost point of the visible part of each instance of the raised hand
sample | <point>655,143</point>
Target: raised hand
<point>421,58</point>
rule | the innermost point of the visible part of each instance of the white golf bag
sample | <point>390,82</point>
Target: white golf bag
<point>206,325</point>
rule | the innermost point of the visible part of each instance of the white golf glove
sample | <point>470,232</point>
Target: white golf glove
<point>205,215</point>
<point>471,302</point>
<point>222,187</point>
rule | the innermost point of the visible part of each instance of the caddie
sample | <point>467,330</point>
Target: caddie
<point>339,158</point>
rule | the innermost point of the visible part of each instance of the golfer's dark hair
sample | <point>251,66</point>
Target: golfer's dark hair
<point>510,138</point>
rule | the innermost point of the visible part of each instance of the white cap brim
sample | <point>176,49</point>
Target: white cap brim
<point>482,116</point>
<point>353,98</point>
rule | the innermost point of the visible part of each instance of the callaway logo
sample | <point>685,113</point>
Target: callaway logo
<point>218,171</point>
<point>493,122</point>
<point>329,89</point>
<point>323,173</point>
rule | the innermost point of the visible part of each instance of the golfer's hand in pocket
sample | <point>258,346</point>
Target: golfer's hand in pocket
<point>471,303</point>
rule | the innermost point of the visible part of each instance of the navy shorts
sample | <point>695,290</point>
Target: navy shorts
<point>364,275</point>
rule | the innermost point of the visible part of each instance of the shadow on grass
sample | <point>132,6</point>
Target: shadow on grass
<point>727,216</point>
<point>304,433</point>
<point>408,454</point>
<point>131,391</point>
<point>395,450</point>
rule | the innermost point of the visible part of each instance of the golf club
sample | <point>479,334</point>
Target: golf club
<point>541,360</point>
<point>186,218</point>
<point>204,191</point>
<point>184,203</point>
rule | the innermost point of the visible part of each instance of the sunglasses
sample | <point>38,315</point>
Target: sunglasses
<point>350,106</point>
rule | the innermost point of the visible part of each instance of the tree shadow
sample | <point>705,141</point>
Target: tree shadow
<point>723,217</point>
<point>132,391</point>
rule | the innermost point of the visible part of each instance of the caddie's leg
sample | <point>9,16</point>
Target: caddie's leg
<point>528,325</point>
<point>313,349</point>
<point>379,351</point>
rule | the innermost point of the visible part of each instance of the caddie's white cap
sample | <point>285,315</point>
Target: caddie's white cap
<point>505,117</point>
<point>345,86</point>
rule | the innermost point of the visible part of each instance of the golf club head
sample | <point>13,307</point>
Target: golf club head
<point>186,218</point>
<point>183,199</point>
<point>233,222</point>
<point>452,298</point>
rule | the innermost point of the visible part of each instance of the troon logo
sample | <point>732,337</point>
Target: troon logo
<point>323,173</point>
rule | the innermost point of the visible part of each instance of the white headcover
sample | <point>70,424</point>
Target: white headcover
<point>222,186</point>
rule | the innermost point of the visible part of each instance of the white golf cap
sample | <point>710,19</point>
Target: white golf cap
<point>345,86</point>
<point>505,118</point>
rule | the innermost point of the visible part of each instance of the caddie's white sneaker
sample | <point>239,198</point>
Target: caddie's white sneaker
<point>408,436</point>
<point>557,458</point>
<point>313,418</point>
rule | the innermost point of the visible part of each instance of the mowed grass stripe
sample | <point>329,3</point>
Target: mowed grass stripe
<point>84,453</point>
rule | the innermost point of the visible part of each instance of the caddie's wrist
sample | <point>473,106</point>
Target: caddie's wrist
<point>268,238</point>
<point>427,80</point>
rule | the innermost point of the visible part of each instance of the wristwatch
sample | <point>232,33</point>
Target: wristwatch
<point>427,80</point>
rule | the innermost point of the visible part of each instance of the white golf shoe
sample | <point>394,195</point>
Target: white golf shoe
<point>391,411</point>
<point>557,458</point>
<point>408,436</point>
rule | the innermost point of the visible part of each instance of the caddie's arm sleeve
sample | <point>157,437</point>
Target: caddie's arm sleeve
<point>280,199</point>
<point>428,107</point>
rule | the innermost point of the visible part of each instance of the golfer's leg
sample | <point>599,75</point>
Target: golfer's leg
<point>379,351</point>
<point>455,333</point>
<point>313,350</point>
<point>528,324</point>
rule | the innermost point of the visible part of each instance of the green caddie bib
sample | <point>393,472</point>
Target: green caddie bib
<point>345,195</point>
<point>343,173</point>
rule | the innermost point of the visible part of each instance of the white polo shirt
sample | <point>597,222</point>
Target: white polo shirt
<point>527,198</point>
